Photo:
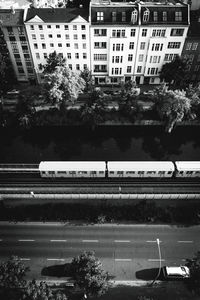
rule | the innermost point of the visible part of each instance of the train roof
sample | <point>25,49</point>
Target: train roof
<point>188,165</point>
<point>72,166</point>
<point>141,165</point>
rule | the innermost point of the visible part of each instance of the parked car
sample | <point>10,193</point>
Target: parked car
<point>180,272</point>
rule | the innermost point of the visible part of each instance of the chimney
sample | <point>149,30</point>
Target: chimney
<point>12,10</point>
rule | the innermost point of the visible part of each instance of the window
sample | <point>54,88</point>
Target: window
<point>58,36</point>
<point>132,32</point>
<point>141,57</point>
<point>25,49</point>
<point>19,63</point>
<point>84,55</point>
<point>100,16</point>
<point>100,45</point>
<point>84,45</point>
<point>82,27</point>
<point>67,45</point>
<point>45,55</point>
<point>130,57</point>
<point>69,56</point>
<point>142,46</point>
<point>74,27</point>
<point>178,16</point>
<point>139,69</point>
<point>164,16</point>
<point>42,36</point>
<point>66,27</point>
<point>40,27</point>
<point>155,16</point>
<point>144,32</point>
<point>100,68</point>
<point>49,26</point>
<point>67,36</point>
<point>174,45</point>
<point>35,46</point>
<point>50,36</point>
<point>31,27</point>
<point>158,32</point>
<point>17,56</point>
<point>51,44</point>
<point>59,44</point>
<point>77,55</point>
<point>100,56</point>
<point>70,66</point>
<point>75,36</point>
<point>37,55</point>
<point>123,16</point>
<point>100,32</point>
<point>12,39</point>
<point>57,26</point>
<point>188,46</point>
<point>118,33</point>
<point>146,15</point>
<point>128,69</point>
<point>75,46</point>
<point>83,36</point>
<point>131,45</point>
<point>43,46</point>
<point>20,70</point>
<point>10,30</point>
<point>114,16</point>
<point>177,32</point>
<point>33,36</point>
<point>194,46</point>
<point>134,16</point>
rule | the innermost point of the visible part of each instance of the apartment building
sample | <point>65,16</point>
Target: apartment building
<point>132,40</point>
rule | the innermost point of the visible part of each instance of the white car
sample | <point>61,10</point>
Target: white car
<point>180,272</point>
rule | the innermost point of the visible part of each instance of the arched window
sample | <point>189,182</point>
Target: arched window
<point>146,15</point>
<point>134,16</point>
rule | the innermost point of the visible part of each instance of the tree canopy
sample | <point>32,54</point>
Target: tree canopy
<point>6,74</point>
<point>88,274</point>
<point>194,266</point>
<point>53,60</point>
<point>87,76</point>
<point>63,85</point>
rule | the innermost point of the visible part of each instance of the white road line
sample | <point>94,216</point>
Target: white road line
<point>122,241</point>
<point>23,258</point>
<point>90,241</point>
<point>58,240</point>
<point>123,259</point>
<point>153,241</point>
<point>26,240</point>
<point>185,241</point>
<point>156,259</point>
<point>61,259</point>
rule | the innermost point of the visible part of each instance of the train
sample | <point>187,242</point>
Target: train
<point>107,169</point>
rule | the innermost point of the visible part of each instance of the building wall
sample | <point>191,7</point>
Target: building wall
<point>191,52</point>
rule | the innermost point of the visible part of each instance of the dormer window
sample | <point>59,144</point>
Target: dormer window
<point>164,16</point>
<point>114,16</point>
<point>178,16</point>
<point>155,16</point>
<point>123,16</point>
<point>146,15</point>
<point>134,16</point>
<point>100,16</point>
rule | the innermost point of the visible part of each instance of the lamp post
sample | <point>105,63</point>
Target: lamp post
<point>160,262</point>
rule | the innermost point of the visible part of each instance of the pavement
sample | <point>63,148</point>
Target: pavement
<point>128,252</point>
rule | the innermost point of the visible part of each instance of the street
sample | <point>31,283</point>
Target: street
<point>125,250</point>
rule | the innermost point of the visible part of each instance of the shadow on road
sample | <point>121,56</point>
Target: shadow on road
<point>149,274</point>
<point>57,271</point>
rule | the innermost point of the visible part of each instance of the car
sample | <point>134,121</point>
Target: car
<point>180,272</point>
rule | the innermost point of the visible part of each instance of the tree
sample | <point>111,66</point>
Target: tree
<point>194,266</point>
<point>129,89</point>
<point>86,75</point>
<point>172,106</point>
<point>87,272</point>
<point>193,93</point>
<point>53,60</point>
<point>6,74</point>
<point>175,72</point>
<point>63,85</point>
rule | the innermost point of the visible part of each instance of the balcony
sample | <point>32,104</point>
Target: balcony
<point>100,71</point>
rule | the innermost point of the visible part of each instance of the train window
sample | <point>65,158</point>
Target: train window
<point>82,172</point>
<point>161,172</point>
<point>189,172</point>
<point>197,172</point>
<point>130,172</point>
<point>181,172</point>
<point>120,172</point>
<point>169,172</point>
<point>51,172</point>
<point>72,172</point>
<point>140,172</point>
<point>61,172</point>
<point>93,172</point>
<point>43,172</point>
<point>111,172</point>
<point>101,172</point>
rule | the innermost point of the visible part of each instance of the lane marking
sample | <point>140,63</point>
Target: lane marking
<point>23,258</point>
<point>26,240</point>
<point>123,259</point>
<point>185,241</point>
<point>156,259</point>
<point>58,241</point>
<point>122,241</point>
<point>153,241</point>
<point>90,241</point>
<point>61,259</point>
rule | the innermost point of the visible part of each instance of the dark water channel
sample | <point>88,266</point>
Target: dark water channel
<point>113,143</point>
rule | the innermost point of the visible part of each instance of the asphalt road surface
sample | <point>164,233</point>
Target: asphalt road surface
<point>123,249</point>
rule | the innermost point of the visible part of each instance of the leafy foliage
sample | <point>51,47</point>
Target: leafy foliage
<point>194,266</point>
<point>88,274</point>
<point>63,85</point>
<point>175,72</point>
<point>53,60</point>
<point>87,76</point>
<point>6,74</point>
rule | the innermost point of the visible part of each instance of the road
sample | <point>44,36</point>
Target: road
<point>123,250</point>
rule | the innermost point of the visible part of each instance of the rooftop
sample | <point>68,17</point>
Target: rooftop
<point>11,17</point>
<point>132,3</point>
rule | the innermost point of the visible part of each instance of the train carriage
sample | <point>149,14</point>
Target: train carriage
<point>72,169</point>
<point>187,169</point>
<point>140,169</point>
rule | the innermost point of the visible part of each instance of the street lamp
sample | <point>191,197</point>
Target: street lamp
<point>160,262</point>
